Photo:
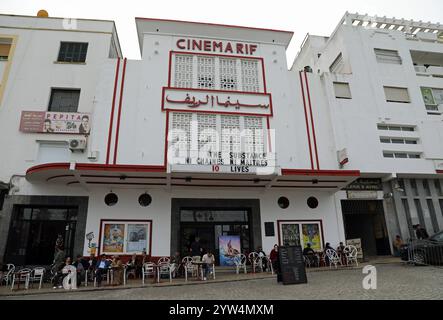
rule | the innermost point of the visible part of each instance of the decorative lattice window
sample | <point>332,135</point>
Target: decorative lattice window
<point>207,132</point>
<point>206,72</point>
<point>181,132</point>
<point>230,135</point>
<point>183,71</point>
<point>249,70</point>
<point>254,141</point>
<point>228,74</point>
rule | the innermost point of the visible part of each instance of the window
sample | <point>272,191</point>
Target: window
<point>254,140</point>
<point>438,187</point>
<point>432,98</point>
<point>64,100</point>
<point>387,56</point>
<point>5,47</point>
<point>230,137</point>
<point>395,127</point>
<point>72,52</point>
<point>53,151</point>
<point>342,90</point>
<point>183,71</point>
<point>228,74</point>
<point>398,140</point>
<point>337,65</point>
<point>217,72</point>
<point>250,74</point>
<point>206,72</point>
<point>395,94</point>
<point>401,155</point>
<point>426,188</point>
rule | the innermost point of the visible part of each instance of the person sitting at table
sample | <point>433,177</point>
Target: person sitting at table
<point>310,255</point>
<point>80,269</point>
<point>58,279</point>
<point>175,264</point>
<point>208,260</point>
<point>131,264</point>
<point>101,267</point>
<point>263,258</point>
<point>117,271</point>
<point>328,246</point>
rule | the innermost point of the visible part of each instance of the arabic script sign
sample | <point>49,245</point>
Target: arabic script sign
<point>55,122</point>
<point>217,101</point>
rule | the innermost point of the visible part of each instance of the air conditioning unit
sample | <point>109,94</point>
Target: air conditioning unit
<point>77,144</point>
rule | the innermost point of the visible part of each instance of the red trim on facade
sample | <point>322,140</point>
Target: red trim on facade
<point>111,121</point>
<point>47,166</point>
<point>307,123</point>
<point>61,176</point>
<point>264,75</point>
<point>215,24</point>
<point>166,140</point>
<point>124,220</point>
<point>334,173</point>
<point>268,124</point>
<point>440,171</point>
<point>312,121</point>
<point>170,68</point>
<point>221,112</point>
<point>221,91</point>
<point>119,111</point>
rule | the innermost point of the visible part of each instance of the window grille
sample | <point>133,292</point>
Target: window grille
<point>181,131</point>
<point>230,138</point>
<point>183,71</point>
<point>207,132</point>
<point>64,100</point>
<point>228,74</point>
<point>250,74</point>
<point>254,142</point>
<point>73,52</point>
<point>206,72</point>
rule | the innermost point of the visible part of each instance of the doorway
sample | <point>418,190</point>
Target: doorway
<point>34,231</point>
<point>365,220</point>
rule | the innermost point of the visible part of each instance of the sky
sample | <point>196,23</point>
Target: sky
<point>316,17</point>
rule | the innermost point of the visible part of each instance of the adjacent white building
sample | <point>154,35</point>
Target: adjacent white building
<point>209,136</point>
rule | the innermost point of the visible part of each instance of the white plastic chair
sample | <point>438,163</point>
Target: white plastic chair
<point>240,262</point>
<point>350,253</point>
<point>23,275</point>
<point>333,257</point>
<point>255,260</point>
<point>163,260</point>
<point>165,268</point>
<point>37,275</point>
<point>8,276</point>
<point>189,267</point>
<point>147,270</point>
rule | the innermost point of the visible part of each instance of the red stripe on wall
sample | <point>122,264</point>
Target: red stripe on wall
<point>312,121</point>
<point>111,121</point>
<point>306,118</point>
<point>119,111</point>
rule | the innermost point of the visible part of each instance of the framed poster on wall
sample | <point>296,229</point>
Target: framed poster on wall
<point>300,233</point>
<point>125,236</point>
<point>229,247</point>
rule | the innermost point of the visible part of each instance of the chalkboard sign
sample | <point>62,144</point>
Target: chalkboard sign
<point>292,265</point>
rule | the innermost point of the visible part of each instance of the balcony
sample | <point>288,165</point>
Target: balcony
<point>428,64</point>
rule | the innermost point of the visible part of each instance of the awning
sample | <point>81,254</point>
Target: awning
<point>139,176</point>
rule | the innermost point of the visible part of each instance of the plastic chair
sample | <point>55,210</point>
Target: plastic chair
<point>165,269</point>
<point>189,267</point>
<point>240,262</point>
<point>37,275</point>
<point>163,260</point>
<point>8,276</point>
<point>255,260</point>
<point>333,257</point>
<point>147,270</point>
<point>22,275</point>
<point>350,253</point>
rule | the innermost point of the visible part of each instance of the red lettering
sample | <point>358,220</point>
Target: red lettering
<point>196,44</point>
<point>179,44</point>
<point>218,45</point>
<point>207,45</point>
<point>240,48</point>
<point>253,48</point>
<point>228,48</point>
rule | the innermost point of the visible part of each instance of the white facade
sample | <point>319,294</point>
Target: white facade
<point>235,77</point>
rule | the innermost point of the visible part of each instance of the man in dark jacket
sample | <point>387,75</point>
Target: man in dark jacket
<point>102,267</point>
<point>421,232</point>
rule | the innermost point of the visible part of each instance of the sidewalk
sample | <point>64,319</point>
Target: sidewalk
<point>222,276</point>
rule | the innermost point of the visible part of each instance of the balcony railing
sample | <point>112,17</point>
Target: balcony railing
<point>431,71</point>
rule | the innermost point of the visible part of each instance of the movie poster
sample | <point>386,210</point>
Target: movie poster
<point>113,237</point>
<point>229,247</point>
<point>137,237</point>
<point>311,234</point>
<point>290,234</point>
